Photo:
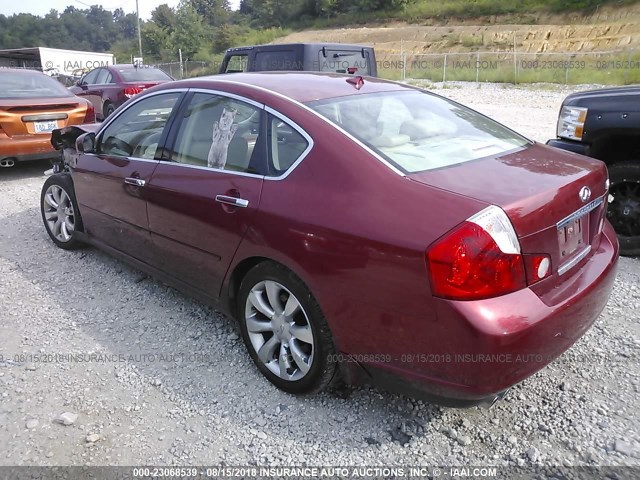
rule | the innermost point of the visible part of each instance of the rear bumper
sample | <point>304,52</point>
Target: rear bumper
<point>496,343</point>
<point>26,147</point>
<point>569,145</point>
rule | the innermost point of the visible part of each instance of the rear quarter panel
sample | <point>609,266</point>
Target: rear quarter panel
<point>356,234</point>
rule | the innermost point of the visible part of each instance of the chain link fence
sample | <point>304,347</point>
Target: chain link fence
<point>614,67</point>
<point>606,68</point>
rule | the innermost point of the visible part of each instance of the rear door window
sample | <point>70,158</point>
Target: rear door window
<point>102,76</point>
<point>220,133</point>
<point>354,62</point>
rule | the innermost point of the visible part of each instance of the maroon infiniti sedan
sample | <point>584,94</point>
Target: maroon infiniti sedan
<point>109,87</point>
<point>358,229</point>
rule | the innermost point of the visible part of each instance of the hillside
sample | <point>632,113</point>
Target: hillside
<point>609,29</point>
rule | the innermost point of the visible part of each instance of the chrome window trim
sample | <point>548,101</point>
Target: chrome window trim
<point>310,110</point>
<point>210,169</point>
<point>298,129</point>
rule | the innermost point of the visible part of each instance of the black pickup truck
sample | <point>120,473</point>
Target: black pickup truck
<point>605,124</point>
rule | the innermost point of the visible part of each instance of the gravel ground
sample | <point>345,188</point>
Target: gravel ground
<point>185,392</point>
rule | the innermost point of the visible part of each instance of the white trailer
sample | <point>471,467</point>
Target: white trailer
<point>54,61</point>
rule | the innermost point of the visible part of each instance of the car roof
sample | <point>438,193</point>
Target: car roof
<point>24,71</point>
<point>307,86</point>
<point>315,45</point>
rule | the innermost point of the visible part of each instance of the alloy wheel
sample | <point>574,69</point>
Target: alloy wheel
<point>58,213</point>
<point>279,330</point>
<point>624,212</point>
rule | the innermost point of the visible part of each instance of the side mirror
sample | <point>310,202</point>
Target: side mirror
<point>86,143</point>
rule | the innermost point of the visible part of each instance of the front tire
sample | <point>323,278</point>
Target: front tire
<point>285,331</point>
<point>59,211</point>
<point>107,110</point>
<point>624,211</point>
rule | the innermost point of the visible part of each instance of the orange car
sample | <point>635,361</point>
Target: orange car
<point>32,105</point>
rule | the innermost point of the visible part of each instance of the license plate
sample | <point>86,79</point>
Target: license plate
<point>573,236</point>
<point>42,127</point>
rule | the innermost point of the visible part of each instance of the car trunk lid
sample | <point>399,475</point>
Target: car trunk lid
<point>544,193</point>
<point>37,115</point>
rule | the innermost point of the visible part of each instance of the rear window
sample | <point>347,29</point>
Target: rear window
<point>418,131</point>
<point>30,85</point>
<point>282,60</point>
<point>345,61</point>
<point>143,74</point>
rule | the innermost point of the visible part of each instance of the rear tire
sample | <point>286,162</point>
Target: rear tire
<point>624,211</point>
<point>59,211</point>
<point>285,331</point>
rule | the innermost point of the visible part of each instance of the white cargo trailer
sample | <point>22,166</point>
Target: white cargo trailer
<point>53,60</point>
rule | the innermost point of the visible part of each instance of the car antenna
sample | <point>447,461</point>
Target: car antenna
<point>357,82</point>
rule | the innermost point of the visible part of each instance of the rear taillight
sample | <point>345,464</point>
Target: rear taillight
<point>131,91</point>
<point>90,115</point>
<point>479,259</point>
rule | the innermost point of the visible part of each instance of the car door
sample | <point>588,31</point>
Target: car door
<point>110,183</point>
<point>203,196</point>
<point>85,85</point>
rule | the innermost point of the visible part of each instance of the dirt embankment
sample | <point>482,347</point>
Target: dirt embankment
<point>608,29</point>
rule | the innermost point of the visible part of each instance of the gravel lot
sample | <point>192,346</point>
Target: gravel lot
<point>201,401</point>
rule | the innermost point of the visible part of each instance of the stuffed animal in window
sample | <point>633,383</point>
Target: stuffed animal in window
<point>223,132</point>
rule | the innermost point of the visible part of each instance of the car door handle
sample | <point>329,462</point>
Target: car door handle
<point>236,202</point>
<point>137,182</point>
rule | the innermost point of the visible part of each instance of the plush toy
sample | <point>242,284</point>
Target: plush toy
<point>223,132</point>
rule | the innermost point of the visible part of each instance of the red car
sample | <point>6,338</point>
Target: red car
<point>356,228</point>
<point>109,87</point>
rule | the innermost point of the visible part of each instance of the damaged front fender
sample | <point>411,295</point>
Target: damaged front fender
<point>64,139</point>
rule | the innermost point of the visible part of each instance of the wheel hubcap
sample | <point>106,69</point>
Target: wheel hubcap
<point>279,330</point>
<point>624,211</point>
<point>58,213</point>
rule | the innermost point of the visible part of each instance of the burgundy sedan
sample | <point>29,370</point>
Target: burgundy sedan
<point>109,87</point>
<point>358,229</point>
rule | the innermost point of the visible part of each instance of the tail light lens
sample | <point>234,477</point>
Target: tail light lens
<point>538,267</point>
<point>90,115</point>
<point>131,91</point>
<point>479,259</point>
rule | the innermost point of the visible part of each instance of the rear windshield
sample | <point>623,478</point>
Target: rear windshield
<point>143,74</point>
<point>345,61</point>
<point>418,131</point>
<point>30,85</point>
<point>279,60</point>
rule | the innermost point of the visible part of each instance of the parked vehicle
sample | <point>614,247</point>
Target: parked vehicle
<point>32,105</point>
<point>315,57</point>
<point>109,87</point>
<point>604,124</point>
<point>349,224</point>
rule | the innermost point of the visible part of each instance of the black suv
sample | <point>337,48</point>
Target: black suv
<point>315,57</point>
<point>605,124</point>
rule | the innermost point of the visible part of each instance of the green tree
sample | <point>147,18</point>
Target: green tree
<point>189,32</point>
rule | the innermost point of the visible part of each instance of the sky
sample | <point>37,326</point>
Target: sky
<point>42,7</point>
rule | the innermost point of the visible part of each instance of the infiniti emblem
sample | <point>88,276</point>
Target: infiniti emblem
<point>585,194</point>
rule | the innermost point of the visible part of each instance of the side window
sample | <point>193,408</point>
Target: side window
<point>102,76</point>
<point>137,131</point>
<point>108,78</point>
<point>237,63</point>
<point>221,133</point>
<point>90,78</point>
<point>286,145</point>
